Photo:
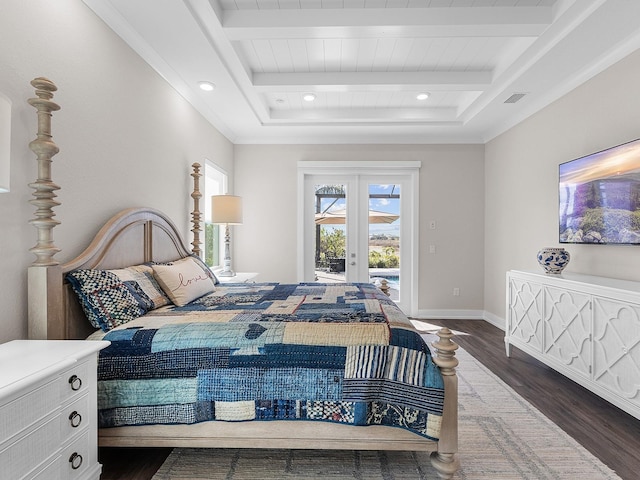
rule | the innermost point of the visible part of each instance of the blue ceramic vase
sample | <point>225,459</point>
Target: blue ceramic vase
<point>553,259</point>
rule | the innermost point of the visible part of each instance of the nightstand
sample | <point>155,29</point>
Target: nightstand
<point>240,277</point>
<point>48,409</point>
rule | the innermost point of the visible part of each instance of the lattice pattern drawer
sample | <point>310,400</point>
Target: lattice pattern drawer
<point>75,381</point>
<point>526,305</point>
<point>617,348</point>
<point>30,451</point>
<point>75,417</point>
<point>52,471</point>
<point>567,334</point>
<point>75,457</point>
<point>25,411</point>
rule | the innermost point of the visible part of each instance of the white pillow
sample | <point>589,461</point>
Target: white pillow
<point>184,280</point>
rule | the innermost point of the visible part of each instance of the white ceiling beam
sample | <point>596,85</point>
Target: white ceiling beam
<point>345,81</point>
<point>386,22</point>
<point>367,115</point>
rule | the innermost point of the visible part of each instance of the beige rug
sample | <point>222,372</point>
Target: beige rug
<point>502,436</point>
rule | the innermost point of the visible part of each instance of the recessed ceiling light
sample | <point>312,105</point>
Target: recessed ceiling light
<point>422,96</point>
<point>309,97</point>
<point>206,86</point>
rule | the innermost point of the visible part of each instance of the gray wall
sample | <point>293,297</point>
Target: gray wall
<point>521,193</point>
<point>126,138</point>
<point>451,193</point>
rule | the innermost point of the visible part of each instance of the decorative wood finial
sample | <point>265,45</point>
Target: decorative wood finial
<point>44,148</point>
<point>384,286</point>
<point>196,214</point>
<point>445,352</point>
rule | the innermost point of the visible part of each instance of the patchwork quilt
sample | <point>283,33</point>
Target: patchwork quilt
<point>329,352</point>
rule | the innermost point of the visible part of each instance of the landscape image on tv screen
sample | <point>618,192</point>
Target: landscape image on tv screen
<point>600,197</point>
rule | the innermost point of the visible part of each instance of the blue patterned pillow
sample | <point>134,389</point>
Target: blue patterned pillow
<point>114,297</point>
<point>141,279</point>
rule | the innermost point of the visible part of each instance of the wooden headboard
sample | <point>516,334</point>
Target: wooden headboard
<point>131,237</point>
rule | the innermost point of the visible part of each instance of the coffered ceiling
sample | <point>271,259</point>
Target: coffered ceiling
<point>484,64</point>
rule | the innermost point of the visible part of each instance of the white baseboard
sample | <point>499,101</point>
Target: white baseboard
<point>495,320</point>
<point>450,314</point>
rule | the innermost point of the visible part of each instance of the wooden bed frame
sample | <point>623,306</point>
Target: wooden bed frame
<point>139,235</point>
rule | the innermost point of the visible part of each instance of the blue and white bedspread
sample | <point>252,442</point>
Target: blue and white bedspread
<point>331,352</point>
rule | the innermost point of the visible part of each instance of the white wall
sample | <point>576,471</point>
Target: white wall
<point>451,193</point>
<point>126,138</point>
<point>521,193</point>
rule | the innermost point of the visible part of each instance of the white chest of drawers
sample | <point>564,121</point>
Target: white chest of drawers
<point>48,410</point>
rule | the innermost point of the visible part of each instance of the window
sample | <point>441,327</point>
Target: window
<point>215,183</point>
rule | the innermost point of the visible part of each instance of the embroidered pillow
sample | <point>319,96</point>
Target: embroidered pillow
<point>206,268</point>
<point>200,262</point>
<point>184,280</point>
<point>113,297</point>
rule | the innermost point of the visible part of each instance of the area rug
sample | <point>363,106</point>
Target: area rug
<point>502,436</point>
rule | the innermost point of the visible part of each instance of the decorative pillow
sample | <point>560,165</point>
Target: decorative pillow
<point>184,280</point>
<point>200,262</point>
<point>206,268</point>
<point>113,297</point>
<point>140,278</point>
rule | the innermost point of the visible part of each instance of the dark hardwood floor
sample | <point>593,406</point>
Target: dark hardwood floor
<point>606,431</point>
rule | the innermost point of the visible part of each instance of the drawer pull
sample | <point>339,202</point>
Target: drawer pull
<point>75,418</point>
<point>75,460</point>
<point>75,382</point>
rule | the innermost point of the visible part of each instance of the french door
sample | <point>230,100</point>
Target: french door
<point>359,224</point>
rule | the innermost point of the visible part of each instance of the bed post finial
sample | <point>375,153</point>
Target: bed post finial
<point>445,459</point>
<point>44,148</point>
<point>446,351</point>
<point>196,220</point>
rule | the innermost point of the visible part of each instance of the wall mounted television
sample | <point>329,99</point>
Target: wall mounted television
<point>600,197</point>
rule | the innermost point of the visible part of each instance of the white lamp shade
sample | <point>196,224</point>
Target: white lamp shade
<point>226,209</point>
<point>5,139</point>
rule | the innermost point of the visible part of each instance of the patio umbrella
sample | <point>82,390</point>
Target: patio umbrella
<point>337,217</point>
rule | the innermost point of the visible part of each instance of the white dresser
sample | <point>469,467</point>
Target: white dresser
<point>48,410</point>
<point>585,327</point>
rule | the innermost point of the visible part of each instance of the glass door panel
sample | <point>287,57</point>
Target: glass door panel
<point>384,236</point>
<point>330,207</point>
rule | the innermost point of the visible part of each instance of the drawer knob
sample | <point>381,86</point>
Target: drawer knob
<point>75,418</point>
<point>75,460</point>
<point>75,382</point>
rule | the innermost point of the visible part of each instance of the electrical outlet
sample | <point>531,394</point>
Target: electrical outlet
<point>456,292</point>
<point>432,224</point>
<point>432,249</point>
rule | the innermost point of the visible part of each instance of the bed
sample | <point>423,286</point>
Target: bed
<point>376,384</point>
